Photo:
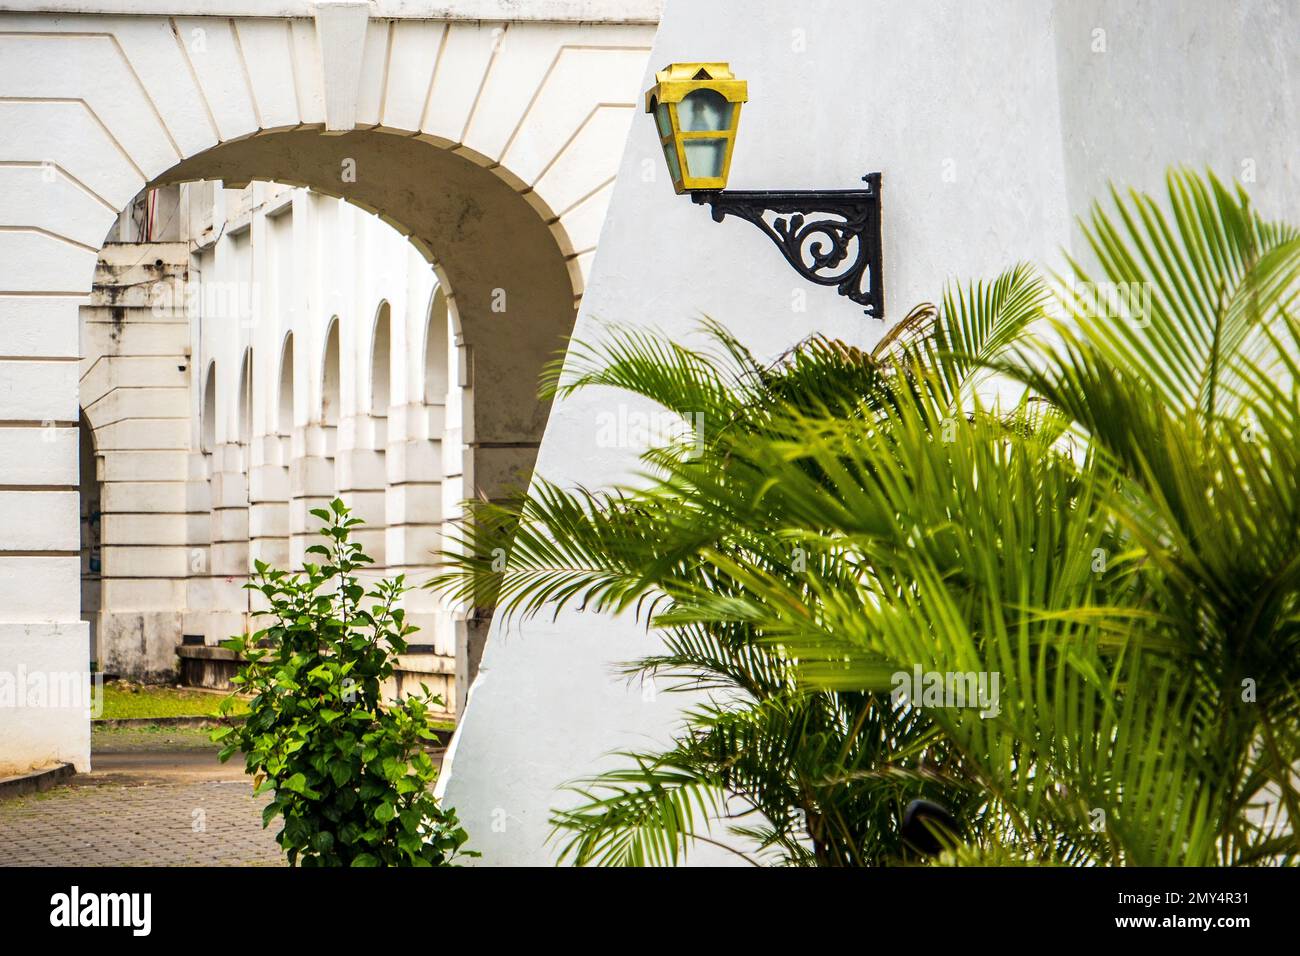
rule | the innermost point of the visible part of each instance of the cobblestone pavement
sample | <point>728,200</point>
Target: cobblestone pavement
<point>159,809</point>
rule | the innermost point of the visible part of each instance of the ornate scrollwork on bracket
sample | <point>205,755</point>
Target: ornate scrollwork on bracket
<point>831,237</point>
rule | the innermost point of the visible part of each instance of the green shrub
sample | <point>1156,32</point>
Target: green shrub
<point>350,773</point>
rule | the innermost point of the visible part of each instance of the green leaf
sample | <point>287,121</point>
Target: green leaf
<point>269,813</point>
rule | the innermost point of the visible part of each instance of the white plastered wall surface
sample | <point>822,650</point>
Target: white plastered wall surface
<point>990,121</point>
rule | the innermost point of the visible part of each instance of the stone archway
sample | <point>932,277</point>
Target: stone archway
<point>511,287</point>
<point>492,146</point>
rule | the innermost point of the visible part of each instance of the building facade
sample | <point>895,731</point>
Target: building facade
<point>254,353</point>
<point>502,141</point>
<point>486,134</point>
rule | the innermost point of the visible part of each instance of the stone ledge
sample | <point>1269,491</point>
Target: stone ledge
<point>426,663</point>
<point>36,781</point>
<point>120,723</point>
<point>418,663</point>
<point>206,652</point>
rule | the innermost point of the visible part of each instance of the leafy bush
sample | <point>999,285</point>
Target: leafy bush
<point>350,772</point>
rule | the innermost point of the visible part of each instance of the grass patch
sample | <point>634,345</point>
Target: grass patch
<point>124,700</point>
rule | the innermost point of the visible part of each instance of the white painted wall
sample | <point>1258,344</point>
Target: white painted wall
<point>1197,83</point>
<point>989,119</point>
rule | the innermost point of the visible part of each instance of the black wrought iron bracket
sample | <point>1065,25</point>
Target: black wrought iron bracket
<point>831,237</point>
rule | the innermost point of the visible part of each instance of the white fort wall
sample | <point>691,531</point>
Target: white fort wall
<point>488,140</point>
<point>992,122</point>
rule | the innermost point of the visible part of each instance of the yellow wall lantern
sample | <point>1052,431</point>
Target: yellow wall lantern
<point>697,109</point>
<point>831,237</point>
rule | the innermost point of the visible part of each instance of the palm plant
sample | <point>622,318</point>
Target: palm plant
<point>1118,547</point>
<point>1191,406</point>
<point>828,770</point>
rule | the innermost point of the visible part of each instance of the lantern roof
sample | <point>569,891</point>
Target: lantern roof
<point>678,79</point>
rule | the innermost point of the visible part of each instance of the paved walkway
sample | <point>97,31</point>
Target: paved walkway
<point>142,808</point>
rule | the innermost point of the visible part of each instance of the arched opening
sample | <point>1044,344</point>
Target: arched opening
<point>436,337</point>
<point>246,404</point>
<point>91,557</point>
<point>492,215</point>
<point>203,513</point>
<point>208,417</point>
<point>498,254</point>
<point>331,399</point>
<point>381,361</point>
<point>284,406</point>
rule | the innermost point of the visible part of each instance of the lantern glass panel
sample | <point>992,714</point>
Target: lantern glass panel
<point>663,120</point>
<point>704,157</point>
<point>670,154</point>
<point>704,111</point>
